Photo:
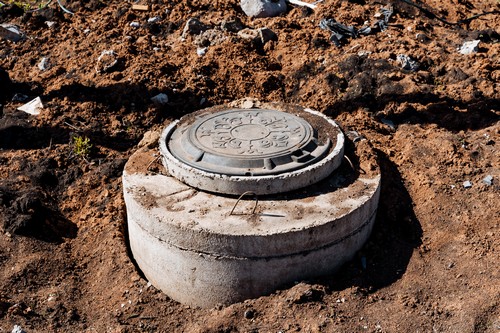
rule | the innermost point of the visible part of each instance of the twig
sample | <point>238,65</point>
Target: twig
<point>151,163</point>
<point>302,3</point>
<point>73,127</point>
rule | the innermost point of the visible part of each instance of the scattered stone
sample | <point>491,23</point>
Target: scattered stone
<point>19,98</point>
<point>11,32</point>
<point>469,47</point>
<point>32,107</point>
<point>422,38</point>
<point>44,64</point>
<point>408,63</point>
<point>106,61</point>
<point>160,99</point>
<point>17,329</point>
<point>488,180</point>
<point>233,25</point>
<point>263,8</point>
<point>249,314</point>
<point>154,19</point>
<point>389,123</point>
<point>135,24</point>
<point>201,51</point>
<point>467,184</point>
<point>50,24</point>
<point>193,27</point>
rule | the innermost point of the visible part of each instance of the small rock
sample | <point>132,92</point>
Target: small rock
<point>249,314</point>
<point>422,38</point>
<point>50,24</point>
<point>17,329</point>
<point>408,63</point>
<point>467,184</point>
<point>154,19</point>
<point>160,99</point>
<point>234,25</point>
<point>11,32</point>
<point>44,64</point>
<point>469,47</point>
<point>106,61</point>
<point>32,107</point>
<point>267,35</point>
<point>201,51</point>
<point>488,180</point>
<point>263,8</point>
<point>389,123</point>
<point>135,24</point>
<point>193,27</point>
<point>19,98</point>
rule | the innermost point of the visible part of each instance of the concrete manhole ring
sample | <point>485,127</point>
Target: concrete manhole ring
<point>188,243</point>
<point>259,150</point>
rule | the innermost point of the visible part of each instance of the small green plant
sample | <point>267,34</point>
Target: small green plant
<point>81,146</point>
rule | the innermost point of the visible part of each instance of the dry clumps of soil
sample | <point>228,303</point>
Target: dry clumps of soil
<point>432,262</point>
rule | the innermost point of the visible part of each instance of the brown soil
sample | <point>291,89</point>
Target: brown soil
<point>432,262</point>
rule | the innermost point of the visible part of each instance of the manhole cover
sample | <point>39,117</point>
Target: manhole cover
<point>260,150</point>
<point>247,143</point>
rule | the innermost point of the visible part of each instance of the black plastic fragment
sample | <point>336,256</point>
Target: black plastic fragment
<point>341,31</point>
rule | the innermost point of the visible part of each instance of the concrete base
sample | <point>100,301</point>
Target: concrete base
<point>189,245</point>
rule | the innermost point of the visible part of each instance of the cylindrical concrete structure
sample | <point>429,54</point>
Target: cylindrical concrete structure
<point>204,249</point>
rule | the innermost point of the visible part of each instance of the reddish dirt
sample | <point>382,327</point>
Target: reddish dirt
<point>432,262</point>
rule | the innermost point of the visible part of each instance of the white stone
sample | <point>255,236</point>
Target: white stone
<point>263,8</point>
<point>11,32</point>
<point>44,64</point>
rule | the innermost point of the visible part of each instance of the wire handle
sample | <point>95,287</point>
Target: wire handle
<point>241,196</point>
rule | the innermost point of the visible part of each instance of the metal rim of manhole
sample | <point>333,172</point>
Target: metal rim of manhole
<point>242,142</point>
<point>236,150</point>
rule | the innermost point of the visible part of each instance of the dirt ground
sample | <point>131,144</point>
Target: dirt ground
<point>432,262</point>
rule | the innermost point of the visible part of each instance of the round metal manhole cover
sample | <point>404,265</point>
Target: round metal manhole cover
<point>247,143</point>
<point>260,150</point>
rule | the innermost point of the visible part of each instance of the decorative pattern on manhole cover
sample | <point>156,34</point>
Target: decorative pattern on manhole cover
<point>247,142</point>
<point>250,133</point>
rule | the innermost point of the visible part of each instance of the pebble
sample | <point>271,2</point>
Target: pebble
<point>488,180</point>
<point>135,24</point>
<point>201,51</point>
<point>263,8</point>
<point>469,47</point>
<point>50,24</point>
<point>154,19</point>
<point>407,62</point>
<point>18,329</point>
<point>43,64</point>
<point>467,184</point>
<point>249,314</point>
<point>160,99</point>
<point>11,32</point>
<point>193,27</point>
